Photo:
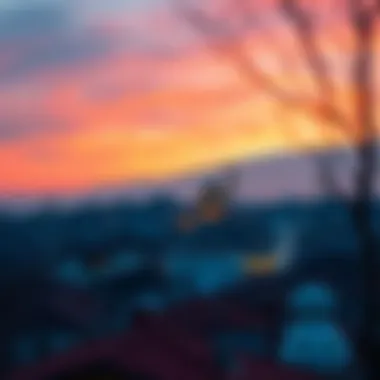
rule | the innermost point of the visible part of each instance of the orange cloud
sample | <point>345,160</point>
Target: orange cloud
<point>161,117</point>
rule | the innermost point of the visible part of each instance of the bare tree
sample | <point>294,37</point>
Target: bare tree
<point>359,129</point>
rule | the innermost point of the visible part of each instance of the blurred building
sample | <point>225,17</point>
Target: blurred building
<point>313,338</point>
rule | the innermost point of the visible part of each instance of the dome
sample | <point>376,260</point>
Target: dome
<point>312,295</point>
<point>319,346</point>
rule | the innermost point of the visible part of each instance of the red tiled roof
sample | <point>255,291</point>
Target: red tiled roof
<point>167,348</point>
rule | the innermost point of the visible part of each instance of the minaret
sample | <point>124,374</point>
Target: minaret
<point>215,197</point>
<point>212,203</point>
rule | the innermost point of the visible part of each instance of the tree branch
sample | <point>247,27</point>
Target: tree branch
<point>207,27</point>
<point>317,65</point>
<point>304,32</point>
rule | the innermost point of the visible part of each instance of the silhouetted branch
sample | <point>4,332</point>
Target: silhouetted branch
<point>304,32</point>
<point>207,27</point>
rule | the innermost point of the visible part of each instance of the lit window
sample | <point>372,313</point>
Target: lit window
<point>260,264</point>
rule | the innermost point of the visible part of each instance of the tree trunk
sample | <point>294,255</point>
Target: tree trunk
<point>366,157</point>
<point>362,217</point>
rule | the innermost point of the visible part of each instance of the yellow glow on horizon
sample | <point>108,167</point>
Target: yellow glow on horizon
<point>205,115</point>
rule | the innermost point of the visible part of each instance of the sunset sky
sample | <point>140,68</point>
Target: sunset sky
<point>95,93</point>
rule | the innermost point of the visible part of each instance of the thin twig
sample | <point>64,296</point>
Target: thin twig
<point>305,34</point>
<point>208,27</point>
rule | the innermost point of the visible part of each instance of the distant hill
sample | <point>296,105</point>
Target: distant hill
<point>271,178</point>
